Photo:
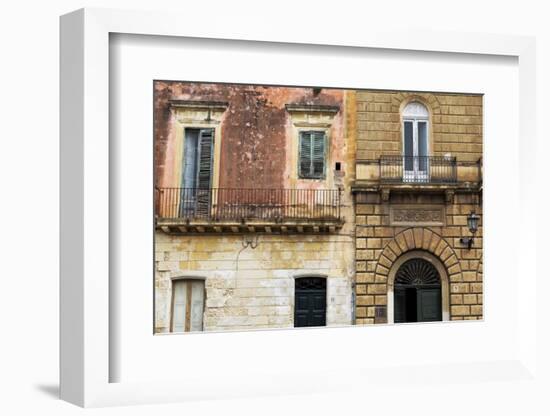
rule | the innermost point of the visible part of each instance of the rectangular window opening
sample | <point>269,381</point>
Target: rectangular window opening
<point>187,305</point>
<point>312,155</point>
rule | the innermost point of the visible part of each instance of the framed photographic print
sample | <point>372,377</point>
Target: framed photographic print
<point>286,213</point>
<point>280,207</point>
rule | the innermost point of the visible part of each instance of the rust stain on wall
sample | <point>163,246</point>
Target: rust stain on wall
<point>256,136</point>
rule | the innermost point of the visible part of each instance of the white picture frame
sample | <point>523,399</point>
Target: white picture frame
<point>85,340</point>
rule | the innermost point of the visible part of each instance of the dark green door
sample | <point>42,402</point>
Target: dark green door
<point>310,301</point>
<point>428,304</point>
<point>417,293</point>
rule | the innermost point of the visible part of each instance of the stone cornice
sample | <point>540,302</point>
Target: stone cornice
<point>312,108</point>
<point>199,105</point>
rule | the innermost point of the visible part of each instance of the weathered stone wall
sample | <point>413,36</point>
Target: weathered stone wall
<point>379,244</point>
<point>259,147</point>
<point>254,289</point>
<point>257,135</point>
<point>455,127</point>
<point>456,122</point>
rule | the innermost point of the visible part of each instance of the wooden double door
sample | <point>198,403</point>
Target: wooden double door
<point>417,292</point>
<point>417,304</point>
<point>310,301</point>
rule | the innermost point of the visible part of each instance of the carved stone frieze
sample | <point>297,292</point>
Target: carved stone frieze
<point>417,215</point>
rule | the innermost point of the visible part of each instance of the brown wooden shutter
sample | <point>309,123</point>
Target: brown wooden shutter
<point>204,171</point>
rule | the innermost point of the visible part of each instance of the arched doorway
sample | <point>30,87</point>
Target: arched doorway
<point>417,292</point>
<point>436,263</point>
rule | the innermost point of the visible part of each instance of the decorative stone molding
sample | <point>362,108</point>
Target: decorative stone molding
<point>399,101</point>
<point>449,196</point>
<point>213,105</point>
<point>306,115</point>
<point>418,239</point>
<point>189,111</point>
<point>312,108</point>
<point>414,215</point>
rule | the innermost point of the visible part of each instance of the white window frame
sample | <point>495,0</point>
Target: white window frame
<point>416,173</point>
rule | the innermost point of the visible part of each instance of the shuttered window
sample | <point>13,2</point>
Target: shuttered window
<point>197,171</point>
<point>187,305</point>
<point>198,152</point>
<point>204,174</point>
<point>312,155</point>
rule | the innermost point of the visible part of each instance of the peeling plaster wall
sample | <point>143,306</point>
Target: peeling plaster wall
<point>257,134</point>
<point>254,289</point>
<point>258,150</point>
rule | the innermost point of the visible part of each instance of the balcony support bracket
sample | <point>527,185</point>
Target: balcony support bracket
<point>385,194</point>
<point>449,196</point>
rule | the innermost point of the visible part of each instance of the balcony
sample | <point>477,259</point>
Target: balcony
<point>417,174</point>
<point>237,210</point>
<point>418,169</point>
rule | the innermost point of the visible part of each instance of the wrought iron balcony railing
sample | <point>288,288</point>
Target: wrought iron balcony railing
<point>418,169</point>
<point>232,204</point>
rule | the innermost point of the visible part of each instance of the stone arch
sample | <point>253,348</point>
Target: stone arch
<point>418,240</point>
<point>445,292</point>
<point>430,101</point>
<point>399,101</point>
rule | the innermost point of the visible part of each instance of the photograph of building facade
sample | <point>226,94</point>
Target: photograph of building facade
<point>418,196</point>
<point>280,207</point>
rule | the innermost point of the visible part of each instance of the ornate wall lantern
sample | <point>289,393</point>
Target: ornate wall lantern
<point>473,221</point>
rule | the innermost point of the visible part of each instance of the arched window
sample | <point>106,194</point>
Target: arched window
<point>415,142</point>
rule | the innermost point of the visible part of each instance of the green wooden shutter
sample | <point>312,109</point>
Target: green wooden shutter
<point>312,155</point>
<point>318,155</point>
<point>305,154</point>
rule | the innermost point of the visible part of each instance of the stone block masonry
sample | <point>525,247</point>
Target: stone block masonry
<point>378,246</point>
<point>419,217</point>
<point>254,288</point>
<point>456,123</point>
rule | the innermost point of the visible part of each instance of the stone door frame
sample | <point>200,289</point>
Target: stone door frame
<point>445,294</point>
